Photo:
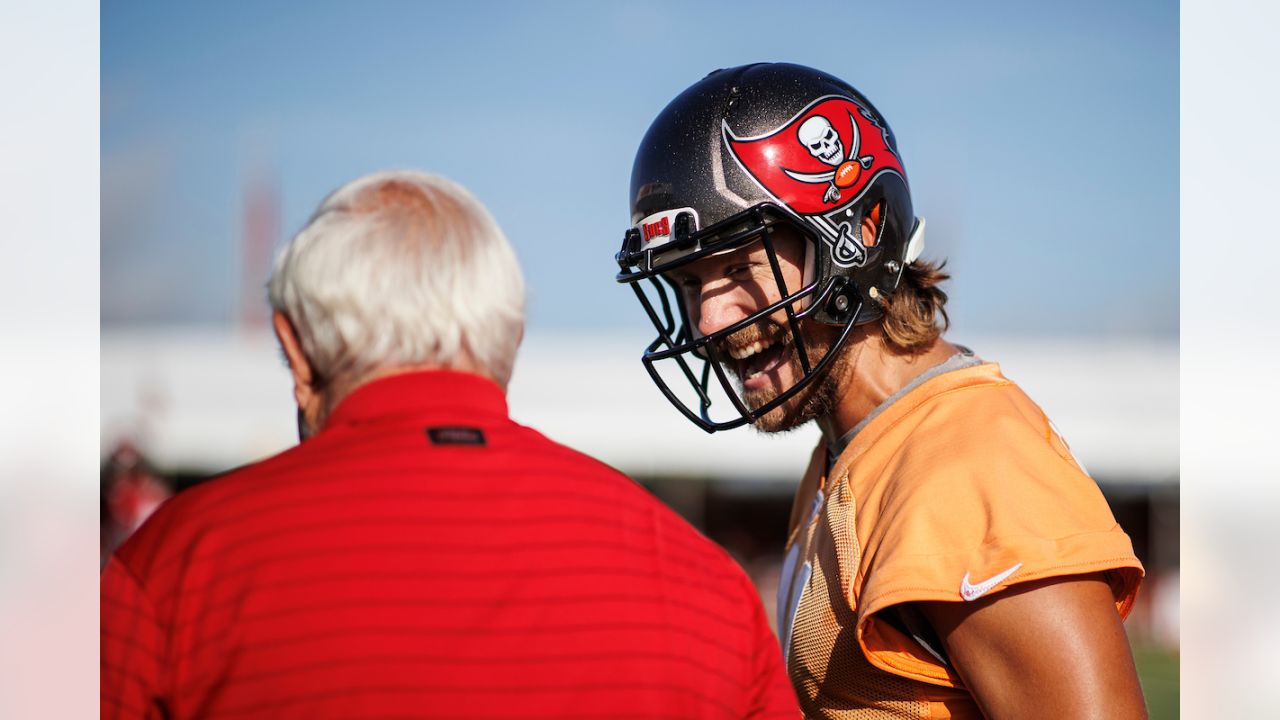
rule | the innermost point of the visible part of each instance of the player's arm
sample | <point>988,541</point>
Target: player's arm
<point>1050,648</point>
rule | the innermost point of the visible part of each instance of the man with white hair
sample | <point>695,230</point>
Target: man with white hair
<point>420,554</point>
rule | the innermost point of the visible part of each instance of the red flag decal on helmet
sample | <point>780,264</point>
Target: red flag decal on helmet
<point>820,160</point>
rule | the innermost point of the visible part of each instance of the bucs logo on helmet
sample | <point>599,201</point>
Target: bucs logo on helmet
<point>818,165</point>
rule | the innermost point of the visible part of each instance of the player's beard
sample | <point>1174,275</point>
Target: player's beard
<point>817,399</point>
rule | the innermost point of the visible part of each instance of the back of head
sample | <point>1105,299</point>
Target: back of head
<point>400,269</point>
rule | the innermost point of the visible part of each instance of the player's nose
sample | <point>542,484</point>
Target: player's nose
<point>717,311</point>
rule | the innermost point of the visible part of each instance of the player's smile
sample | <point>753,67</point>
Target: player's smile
<point>757,354</point>
<point>757,361</point>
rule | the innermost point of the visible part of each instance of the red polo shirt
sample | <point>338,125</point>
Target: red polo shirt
<point>425,556</point>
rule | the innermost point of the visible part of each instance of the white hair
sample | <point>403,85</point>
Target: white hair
<point>401,268</point>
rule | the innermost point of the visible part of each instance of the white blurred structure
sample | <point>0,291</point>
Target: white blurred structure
<point>206,400</point>
<point>201,401</point>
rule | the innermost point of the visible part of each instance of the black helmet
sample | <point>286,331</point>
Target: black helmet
<point>745,150</point>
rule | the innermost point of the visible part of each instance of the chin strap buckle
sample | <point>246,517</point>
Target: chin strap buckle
<point>681,234</point>
<point>629,256</point>
<point>840,304</point>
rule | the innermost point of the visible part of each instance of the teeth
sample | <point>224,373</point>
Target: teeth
<point>748,351</point>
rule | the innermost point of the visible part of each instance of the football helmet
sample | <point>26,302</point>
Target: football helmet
<point>730,160</point>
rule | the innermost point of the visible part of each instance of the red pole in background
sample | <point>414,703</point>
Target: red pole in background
<point>261,227</point>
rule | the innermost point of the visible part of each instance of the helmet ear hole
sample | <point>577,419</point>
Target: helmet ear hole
<point>873,225</point>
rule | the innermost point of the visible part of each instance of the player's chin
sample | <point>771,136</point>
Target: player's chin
<point>765,388</point>
<point>787,416</point>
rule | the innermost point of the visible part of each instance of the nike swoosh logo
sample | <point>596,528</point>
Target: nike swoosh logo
<point>973,592</point>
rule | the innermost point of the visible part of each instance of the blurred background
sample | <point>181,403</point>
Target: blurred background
<point>1041,143</point>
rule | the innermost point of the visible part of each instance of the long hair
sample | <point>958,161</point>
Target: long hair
<point>916,314</point>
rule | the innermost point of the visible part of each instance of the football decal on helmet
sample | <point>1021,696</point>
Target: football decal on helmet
<point>818,164</point>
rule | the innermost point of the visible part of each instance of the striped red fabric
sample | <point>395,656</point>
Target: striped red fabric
<point>425,556</point>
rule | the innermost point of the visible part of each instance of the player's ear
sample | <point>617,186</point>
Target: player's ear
<point>304,391</point>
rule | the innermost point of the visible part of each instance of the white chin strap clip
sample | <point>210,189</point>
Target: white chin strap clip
<point>915,244</point>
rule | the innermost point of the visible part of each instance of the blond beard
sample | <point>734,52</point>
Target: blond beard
<point>819,398</point>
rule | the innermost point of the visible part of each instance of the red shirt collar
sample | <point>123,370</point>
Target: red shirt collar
<point>426,393</point>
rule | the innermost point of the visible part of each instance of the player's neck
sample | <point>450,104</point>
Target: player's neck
<point>876,371</point>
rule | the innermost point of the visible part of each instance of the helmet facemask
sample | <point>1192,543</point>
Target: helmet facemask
<point>695,372</point>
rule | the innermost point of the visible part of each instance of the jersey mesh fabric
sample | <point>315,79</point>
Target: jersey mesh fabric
<point>374,572</point>
<point>963,473</point>
<point>832,677</point>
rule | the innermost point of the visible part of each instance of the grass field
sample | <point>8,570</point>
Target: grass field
<point>1158,671</point>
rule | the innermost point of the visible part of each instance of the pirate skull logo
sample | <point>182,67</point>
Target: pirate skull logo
<point>820,138</point>
<point>817,167</point>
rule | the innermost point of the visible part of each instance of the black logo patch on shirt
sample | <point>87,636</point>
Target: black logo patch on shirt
<point>456,435</point>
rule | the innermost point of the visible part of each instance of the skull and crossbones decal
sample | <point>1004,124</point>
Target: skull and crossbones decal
<point>820,138</point>
<point>818,169</point>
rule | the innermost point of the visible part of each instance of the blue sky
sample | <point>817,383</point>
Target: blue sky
<point>1041,139</point>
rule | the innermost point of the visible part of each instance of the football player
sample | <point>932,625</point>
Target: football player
<point>947,555</point>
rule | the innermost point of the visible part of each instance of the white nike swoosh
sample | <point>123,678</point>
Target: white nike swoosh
<point>973,592</point>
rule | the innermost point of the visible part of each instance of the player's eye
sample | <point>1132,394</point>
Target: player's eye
<point>687,285</point>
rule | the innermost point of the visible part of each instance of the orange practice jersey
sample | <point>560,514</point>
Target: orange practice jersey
<point>959,489</point>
